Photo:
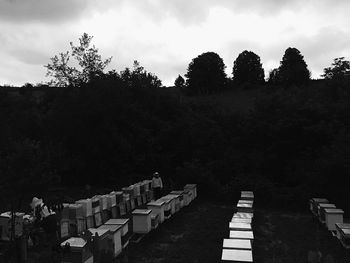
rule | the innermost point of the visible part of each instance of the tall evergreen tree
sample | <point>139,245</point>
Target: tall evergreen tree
<point>248,68</point>
<point>206,74</point>
<point>293,68</point>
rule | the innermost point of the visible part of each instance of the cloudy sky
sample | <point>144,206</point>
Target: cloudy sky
<point>165,35</point>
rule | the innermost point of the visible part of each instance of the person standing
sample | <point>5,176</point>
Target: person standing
<point>157,185</point>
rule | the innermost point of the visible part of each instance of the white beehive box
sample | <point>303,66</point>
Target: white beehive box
<point>321,211</point>
<point>236,234</point>
<point>240,226</point>
<point>343,234</point>
<point>6,225</point>
<point>244,244</point>
<point>333,216</point>
<point>101,239</point>
<point>95,204</point>
<point>103,202</point>
<point>187,198</point>
<point>78,251</point>
<point>245,208</point>
<point>176,200</point>
<point>246,202</point>
<point>236,255</point>
<point>247,195</point>
<point>137,189</point>
<point>314,204</point>
<point>241,220</point>
<point>87,206</point>
<point>171,201</point>
<point>157,208</point>
<point>111,200</point>
<point>116,237</point>
<point>192,188</point>
<point>124,231</point>
<point>243,215</point>
<point>141,219</point>
<point>181,197</point>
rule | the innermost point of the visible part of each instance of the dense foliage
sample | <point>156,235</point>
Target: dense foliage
<point>292,70</point>
<point>206,74</point>
<point>248,68</point>
<point>340,67</point>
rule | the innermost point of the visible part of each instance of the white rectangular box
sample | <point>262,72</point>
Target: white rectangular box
<point>115,236</point>
<point>87,206</point>
<point>78,251</point>
<point>236,255</point>
<point>111,200</point>
<point>241,220</point>
<point>343,234</point>
<point>321,213</point>
<point>157,208</point>
<point>124,231</point>
<point>95,204</point>
<point>245,208</point>
<point>236,234</point>
<point>141,219</point>
<point>243,215</point>
<point>237,244</point>
<point>314,204</point>
<point>333,216</point>
<point>240,226</point>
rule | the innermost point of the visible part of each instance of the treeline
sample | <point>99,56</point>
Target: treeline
<point>118,127</point>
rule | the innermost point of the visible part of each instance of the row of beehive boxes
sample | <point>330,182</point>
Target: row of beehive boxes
<point>332,217</point>
<point>93,212</point>
<point>114,234</point>
<point>238,247</point>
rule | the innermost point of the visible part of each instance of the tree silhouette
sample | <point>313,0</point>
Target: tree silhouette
<point>247,68</point>
<point>293,68</point>
<point>88,58</point>
<point>206,74</point>
<point>340,67</point>
<point>273,76</point>
<point>179,82</point>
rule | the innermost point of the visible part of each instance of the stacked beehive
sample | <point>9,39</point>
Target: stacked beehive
<point>238,247</point>
<point>332,217</point>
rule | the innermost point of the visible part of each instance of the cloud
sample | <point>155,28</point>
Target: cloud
<point>20,11</point>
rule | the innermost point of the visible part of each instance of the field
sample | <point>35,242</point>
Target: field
<point>195,235</point>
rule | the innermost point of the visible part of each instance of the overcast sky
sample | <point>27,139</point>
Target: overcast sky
<point>165,35</point>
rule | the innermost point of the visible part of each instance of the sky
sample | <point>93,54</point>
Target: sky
<point>165,35</point>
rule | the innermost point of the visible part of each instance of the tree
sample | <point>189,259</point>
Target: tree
<point>247,68</point>
<point>88,58</point>
<point>340,67</point>
<point>179,82</point>
<point>206,74</point>
<point>273,76</point>
<point>139,77</point>
<point>293,69</point>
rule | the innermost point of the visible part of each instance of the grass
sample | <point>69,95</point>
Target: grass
<point>195,234</point>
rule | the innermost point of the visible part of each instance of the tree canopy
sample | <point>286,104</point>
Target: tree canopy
<point>248,68</point>
<point>88,58</point>
<point>206,74</point>
<point>179,82</point>
<point>340,67</point>
<point>293,69</point>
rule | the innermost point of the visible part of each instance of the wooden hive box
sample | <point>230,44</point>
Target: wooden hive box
<point>243,215</point>
<point>141,219</point>
<point>154,221</point>
<point>87,206</point>
<point>241,220</point>
<point>236,255</point>
<point>176,198</point>
<point>6,226</point>
<point>95,204</point>
<point>76,211</point>
<point>240,226</point>
<point>314,204</point>
<point>181,194</point>
<point>125,233</point>
<point>236,234</point>
<point>247,195</point>
<point>343,234</point>
<point>116,237</point>
<point>321,211</point>
<point>157,208</point>
<point>193,188</point>
<point>246,202</point>
<point>75,250</point>
<point>101,242</point>
<point>245,208</point>
<point>244,244</point>
<point>333,216</point>
<point>64,228</point>
<point>172,202</point>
